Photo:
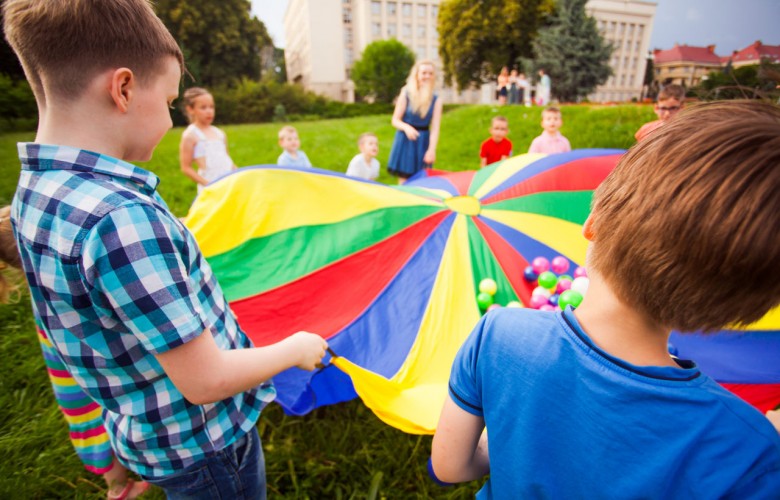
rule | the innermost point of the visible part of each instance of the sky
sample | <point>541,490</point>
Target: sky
<point>729,24</point>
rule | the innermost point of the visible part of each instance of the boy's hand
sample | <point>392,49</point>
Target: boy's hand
<point>774,418</point>
<point>309,348</point>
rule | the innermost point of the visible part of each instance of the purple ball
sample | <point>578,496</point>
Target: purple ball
<point>560,264</point>
<point>529,274</point>
<point>540,265</point>
<point>553,300</point>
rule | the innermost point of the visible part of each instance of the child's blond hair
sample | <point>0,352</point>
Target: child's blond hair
<point>188,99</point>
<point>499,118</point>
<point>686,227</point>
<point>10,262</point>
<point>552,109</point>
<point>287,130</point>
<point>63,44</point>
<point>365,136</point>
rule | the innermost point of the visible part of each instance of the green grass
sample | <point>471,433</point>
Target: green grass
<point>341,451</point>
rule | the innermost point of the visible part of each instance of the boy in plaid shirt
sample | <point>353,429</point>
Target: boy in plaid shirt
<point>119,284</point>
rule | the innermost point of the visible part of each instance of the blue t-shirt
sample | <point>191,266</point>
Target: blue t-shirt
<point>286,160</point>
<point>567,420</point>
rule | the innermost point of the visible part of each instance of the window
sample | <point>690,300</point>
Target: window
<point>421,53</point>
<point>630,29</point>
<point>621,28</point>
<point>422,10</point>
<point>376,8</point>
<point>376,29</point>
<point>639,30</point>
<point>348,37</point>
<point>407,30</point>
<point>348,57</point>
<point>391,30</point>
<point>406,10</point>
<point>347,16</point>
<point>628,45</point>
<point>434,11</point>
<point>421,31</point>
<point>391,8</point>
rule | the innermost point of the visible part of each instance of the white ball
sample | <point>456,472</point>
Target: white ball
<point>540,290</point>
<point>580,285</point>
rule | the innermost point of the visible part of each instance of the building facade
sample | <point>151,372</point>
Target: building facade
<point>753,54</point>
<point>627,25</point>
<point>684,65</point>
<point>326,37</point>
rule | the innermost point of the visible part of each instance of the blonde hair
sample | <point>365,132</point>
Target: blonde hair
<point>419,98</point>
<point>685,228</point>
<point>365,136</point>
<point>9,258</point>
<point>287,130</point>
<point>188,99</point>
<point>63,44</point>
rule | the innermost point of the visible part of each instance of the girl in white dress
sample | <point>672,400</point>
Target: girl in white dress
<point>201,142</point>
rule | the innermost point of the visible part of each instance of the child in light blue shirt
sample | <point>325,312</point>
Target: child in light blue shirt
<point>292,156</point>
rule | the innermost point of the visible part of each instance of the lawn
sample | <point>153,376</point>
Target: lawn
<point>341,451</point>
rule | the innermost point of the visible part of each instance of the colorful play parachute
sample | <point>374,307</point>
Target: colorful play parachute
<point>387,274</point>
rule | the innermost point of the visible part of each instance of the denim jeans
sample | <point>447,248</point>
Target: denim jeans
<point>236,472</point>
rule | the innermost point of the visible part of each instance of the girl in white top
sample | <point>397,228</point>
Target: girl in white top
<point>203,142</point>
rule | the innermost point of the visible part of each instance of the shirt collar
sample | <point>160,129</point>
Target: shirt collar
<point>41,157</point>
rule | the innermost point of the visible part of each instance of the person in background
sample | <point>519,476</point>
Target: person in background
<point>365,165</point>
<point>551,140</point>
<point>671,99</point>
<point>543,89</point>
<point>417,118</point>
<point>496,147</point>
<point>292,156</point>
<point>513,88</point>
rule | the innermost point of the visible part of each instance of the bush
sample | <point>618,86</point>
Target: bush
<point>17,105</point>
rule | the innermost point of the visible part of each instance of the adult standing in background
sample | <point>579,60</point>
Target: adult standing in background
<point>417,117</point>
<point>502,85</point>
<point>543,88</point>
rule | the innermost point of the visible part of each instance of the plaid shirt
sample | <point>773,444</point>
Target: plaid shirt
<point>116,278</point>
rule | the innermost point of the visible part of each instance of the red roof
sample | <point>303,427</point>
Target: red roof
<point>687,53</point>
<point>756,52</point>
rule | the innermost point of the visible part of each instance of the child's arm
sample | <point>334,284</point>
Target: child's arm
<point>774,417</point>
<point>186,148</point>
<point>224,138</point>
<point>482,162</point>
<point>398,114</point>
<point>460,448</point>
<point>430,155</point>
<point>204,373</point>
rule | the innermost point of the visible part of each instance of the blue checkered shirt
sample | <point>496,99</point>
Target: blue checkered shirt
<point>115,279</point>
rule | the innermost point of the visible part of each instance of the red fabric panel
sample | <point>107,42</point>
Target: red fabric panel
<point>510,260</point>
<point>765,397</point>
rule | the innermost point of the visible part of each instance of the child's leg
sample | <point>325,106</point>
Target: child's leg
<point>237,471</point>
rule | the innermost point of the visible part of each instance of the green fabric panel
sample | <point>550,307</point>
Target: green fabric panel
<point>573,206</point>
<point>421,192</point>
<point>264,263</point>
<point>481,176</point>
<point>485,265</point>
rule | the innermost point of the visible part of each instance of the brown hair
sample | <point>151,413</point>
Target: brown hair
<point>365,136</point>
<point>499,118</point>
<point>286,130</point>
<point>188,99</point>
<point>686,226</point>
<point>672,91</point>
<point>63,44</point>
<point>9,257</point>
<point>551,109</point>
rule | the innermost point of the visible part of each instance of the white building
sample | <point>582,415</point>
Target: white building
<point>325,37</point>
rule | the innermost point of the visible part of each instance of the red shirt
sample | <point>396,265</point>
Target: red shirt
<point>493,150</point>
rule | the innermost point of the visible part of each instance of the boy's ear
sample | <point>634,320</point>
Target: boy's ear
<point>587,228</point>
<point>122,87</point>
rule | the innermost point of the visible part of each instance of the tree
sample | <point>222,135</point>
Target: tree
<point>220,40</point>
<point>478,37</point>
<point>572,51</point>
<point>758,81</point>
<point>382,69</point>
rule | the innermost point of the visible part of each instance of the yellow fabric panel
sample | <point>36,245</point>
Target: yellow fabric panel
<point>562,236</point>
<point>505,170</point>
<point>770,321</point>
<point>244,205</point>
<point>412,399</point>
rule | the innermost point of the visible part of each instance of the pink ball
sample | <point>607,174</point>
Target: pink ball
<point>493,306</point>
<point>580,272</point>
<point>537,301</point>
<point>560,264</point>
<point>547,307</point>
<point>563,285</point>
<point>540,265</point>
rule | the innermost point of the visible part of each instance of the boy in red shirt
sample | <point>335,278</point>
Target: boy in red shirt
<point>497,147</point>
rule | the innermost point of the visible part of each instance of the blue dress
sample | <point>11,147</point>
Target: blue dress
<point>406,157</point>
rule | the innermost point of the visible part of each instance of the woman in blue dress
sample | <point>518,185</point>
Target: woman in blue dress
<point>417,117</point>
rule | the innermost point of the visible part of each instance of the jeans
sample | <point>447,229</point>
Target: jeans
<point>236,472</point>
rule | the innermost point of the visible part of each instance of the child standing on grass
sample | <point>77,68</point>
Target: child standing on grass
<point>119,285</point>
<point>671,99</point>
<point>551,140</point>
<point>201,141</point>
<point>683,236</point>
<point>292,156</point>
<point>83,415</point>
<point>365,165</point>
<point>496,147</point>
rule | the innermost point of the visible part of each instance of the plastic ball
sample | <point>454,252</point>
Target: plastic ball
<point>529,274</point>
<point>565,277</point>
<point>494,306</point>
<point>484,300</point>
<point>537,301</point>
<point>548,280</point>
<point>540,290</point>
<point>580,272</point>
<point>559,264</point>
<point>540,265</point>
<point>580,285</point>
<point>569,298</point>
<point>488,286</point>
<point>547,307</point>
<point>514,303</point>
<point>553,299</point>
<point>563,285</point>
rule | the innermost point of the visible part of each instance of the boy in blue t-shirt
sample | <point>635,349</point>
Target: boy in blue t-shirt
<point>588,402</point>
<point>119,284</point>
